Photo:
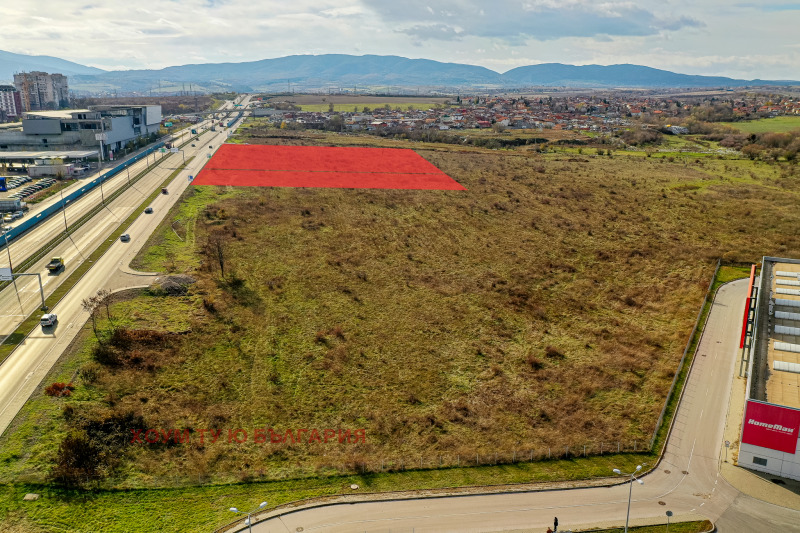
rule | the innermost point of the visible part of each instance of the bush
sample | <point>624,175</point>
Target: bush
<point>59,389</point>
<point>78,461</point>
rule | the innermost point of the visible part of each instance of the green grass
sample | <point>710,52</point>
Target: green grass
<point>206,507</point>
<point>698,526</point>
<point>776,124</point>
<point>172,246</point>
<point>341,108</point>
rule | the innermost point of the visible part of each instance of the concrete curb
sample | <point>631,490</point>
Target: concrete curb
<point>422,494</point>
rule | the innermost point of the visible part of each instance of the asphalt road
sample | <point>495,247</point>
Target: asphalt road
<point>25,368</point>
<point>687,481</point>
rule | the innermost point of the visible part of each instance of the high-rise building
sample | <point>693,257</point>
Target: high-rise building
<point>10,103</point>
<point>41,91</point>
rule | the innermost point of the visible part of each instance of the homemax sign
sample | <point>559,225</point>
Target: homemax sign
<point>771,426</point>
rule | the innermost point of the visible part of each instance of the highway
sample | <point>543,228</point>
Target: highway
<point>27,365</point>
<point>687,481</point>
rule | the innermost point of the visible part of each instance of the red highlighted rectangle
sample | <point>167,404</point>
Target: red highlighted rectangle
<point>322,166</point>
<point>771,426</point>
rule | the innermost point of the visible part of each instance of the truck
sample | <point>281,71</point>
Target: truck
<point>9,205</point>
<point>56,264</point>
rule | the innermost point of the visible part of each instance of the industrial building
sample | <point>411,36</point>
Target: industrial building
<point>771,344</point>
<point>110,128</point>
<point>40,91</point>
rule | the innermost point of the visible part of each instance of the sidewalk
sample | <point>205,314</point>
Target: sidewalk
<point>755,484</point>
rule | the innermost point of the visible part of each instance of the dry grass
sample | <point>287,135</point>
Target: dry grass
<point>547,305</point>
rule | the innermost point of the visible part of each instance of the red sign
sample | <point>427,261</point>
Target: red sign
<point>771,426</point>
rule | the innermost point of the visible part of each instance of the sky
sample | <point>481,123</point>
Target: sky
<point>745,40</point>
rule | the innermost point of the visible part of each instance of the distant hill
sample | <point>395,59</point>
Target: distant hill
<point>11,64</point>
<point>304,72</point>
<point>557,74</point>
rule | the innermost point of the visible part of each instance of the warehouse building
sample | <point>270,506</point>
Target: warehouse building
<point>771,424</point>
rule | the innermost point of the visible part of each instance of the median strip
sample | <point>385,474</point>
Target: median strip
<point>29,324</point>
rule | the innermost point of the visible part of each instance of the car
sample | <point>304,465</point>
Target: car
<point>8,217</point>
<point>211,146</point>
<point>48,319</point>
<point>125,237</point>
<point>194,145</point>
<point>148,210</point>
<point>164,191</point>
<point>17,214</point>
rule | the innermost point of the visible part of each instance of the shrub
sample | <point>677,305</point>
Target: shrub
<point>78,461</point>
<point>58,389</point>
<point>554,353</point>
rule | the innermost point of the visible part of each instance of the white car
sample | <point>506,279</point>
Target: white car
<point>48,319</point>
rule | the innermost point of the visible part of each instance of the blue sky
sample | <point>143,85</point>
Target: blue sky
<point>713,37</point>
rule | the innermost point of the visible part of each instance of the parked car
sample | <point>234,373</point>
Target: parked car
<point>48,319</point>
<point>125,237</point>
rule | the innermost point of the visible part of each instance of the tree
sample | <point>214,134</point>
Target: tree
<point>104,298</point>
<point>216,252</point>
<point>90,305</point>
<point>330,107</point>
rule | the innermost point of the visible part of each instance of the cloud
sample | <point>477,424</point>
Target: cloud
<point>771,7</point>
<point>519,21</point>
<point>442,32</point>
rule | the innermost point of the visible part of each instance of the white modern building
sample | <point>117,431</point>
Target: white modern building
<point>110,128</point>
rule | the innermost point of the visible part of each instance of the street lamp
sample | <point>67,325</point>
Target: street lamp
<point>669,513</point>
<point>248,522</point>
<point>64,209</point>
<point>630,490</point>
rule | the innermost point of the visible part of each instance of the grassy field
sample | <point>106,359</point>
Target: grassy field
<point>547,306</point>
<point>358,107</point>
<point>777,124</point>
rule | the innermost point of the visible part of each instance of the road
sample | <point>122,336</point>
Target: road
<point>687,481</point>
<point>25,368</point>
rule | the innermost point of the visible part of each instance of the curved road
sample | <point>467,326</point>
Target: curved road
<point>687,480</point>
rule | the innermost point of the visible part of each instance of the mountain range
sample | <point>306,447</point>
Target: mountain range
<point>11,63</point>
<point>369,72</point>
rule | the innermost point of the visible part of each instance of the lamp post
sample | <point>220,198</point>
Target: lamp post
<point>669,513</point>
<point>64,209</point>
<point>248,522</point>
<point>630,490</point>
<point>11,266</point>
